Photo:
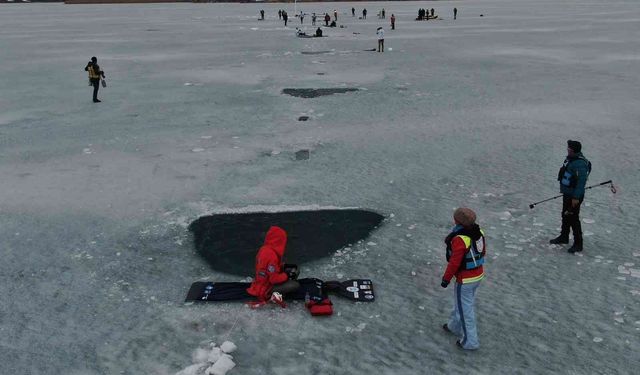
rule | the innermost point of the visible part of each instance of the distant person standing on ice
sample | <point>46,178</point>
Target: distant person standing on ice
<point>364,14</point>
<point>327,18</point>
<point>465,256</point>
<point>279,14</point>
<point>270,276</point>
<point>285,17</point>
<point>572,177</point>
<point>335,15</point>
<point>353,12</point>
<point>313,19</point>
<point>262,14</point>
<point>455,13</point>
<point>380,34</point>
<point>94,76</point>
<point>393,22</point>
<point>301,17</point>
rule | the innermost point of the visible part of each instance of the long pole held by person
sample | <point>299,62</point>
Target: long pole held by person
<point>613,190</point>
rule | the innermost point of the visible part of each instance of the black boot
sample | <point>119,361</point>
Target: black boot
<point>577,244</point>
<point>575,248</point>
<point>561,239</point>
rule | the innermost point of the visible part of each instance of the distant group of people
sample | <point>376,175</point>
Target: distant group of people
<point>282,15</point>
<point>423,14</point>
<point>427,14</point>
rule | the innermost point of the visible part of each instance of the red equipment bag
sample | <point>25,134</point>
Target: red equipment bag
<point>321,308</point>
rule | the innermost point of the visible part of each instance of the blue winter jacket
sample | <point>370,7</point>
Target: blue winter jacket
<point>573,175</point>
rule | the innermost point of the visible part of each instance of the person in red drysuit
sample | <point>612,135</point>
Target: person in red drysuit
<point>270,276</point>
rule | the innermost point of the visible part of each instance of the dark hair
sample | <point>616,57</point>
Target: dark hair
<point>94,59</point>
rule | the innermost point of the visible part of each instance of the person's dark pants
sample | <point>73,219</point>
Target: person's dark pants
<point>326,23</point>
<point>380,45</point>
<point>96,85</point>
<point>571,220</point>
<point>287,287</point>
<point>393,26</point>
<point>285,22</point>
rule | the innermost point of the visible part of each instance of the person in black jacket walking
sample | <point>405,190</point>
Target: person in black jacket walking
<point>95,73</point>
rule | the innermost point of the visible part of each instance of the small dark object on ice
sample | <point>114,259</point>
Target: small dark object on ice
<point>302,155</point>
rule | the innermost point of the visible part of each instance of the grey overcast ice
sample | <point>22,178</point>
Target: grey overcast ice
<point>95,199</point>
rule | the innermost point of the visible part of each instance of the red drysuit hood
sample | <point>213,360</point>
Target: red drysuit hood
<point>276,239</point>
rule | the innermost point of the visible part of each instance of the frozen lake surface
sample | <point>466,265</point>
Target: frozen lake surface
<point>95,199</point>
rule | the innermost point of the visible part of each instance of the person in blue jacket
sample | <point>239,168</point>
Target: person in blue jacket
<point>573,178</point>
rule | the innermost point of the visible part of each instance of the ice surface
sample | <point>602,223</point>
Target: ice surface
<point>477,106</point>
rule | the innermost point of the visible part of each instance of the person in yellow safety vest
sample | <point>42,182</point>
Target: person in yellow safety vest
<point>94,76</point>
<point>465,255</point>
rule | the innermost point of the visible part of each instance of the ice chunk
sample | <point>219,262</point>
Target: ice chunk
<point>506,215</point>
<point>214,355</point>
<point>196,369</point>
<point>588,221</point>
<point>597,339</point>
<point>228,347</point>
<point>222,366</point>
<point>200,355</point>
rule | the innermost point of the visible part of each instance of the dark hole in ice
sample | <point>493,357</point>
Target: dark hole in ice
<point>303,118</point>
<point>302,155</point>
<point>230,242</point>
<point>320,73</point>
<point>314,93</point>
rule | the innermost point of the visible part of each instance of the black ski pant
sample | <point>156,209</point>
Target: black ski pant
<point>286,287</point>
<point>96,85</point>
<point>571,219</point>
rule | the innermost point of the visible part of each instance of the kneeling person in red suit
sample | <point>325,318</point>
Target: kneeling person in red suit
<point>271,282</point>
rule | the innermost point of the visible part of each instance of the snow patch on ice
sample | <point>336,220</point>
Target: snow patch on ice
<point>359,328</point>
<point>211,360</point>
<point>597,339</point>
<point>588,221</point>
